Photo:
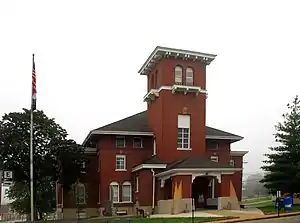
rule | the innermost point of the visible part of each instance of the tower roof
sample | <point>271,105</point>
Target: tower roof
<point>161,52</point>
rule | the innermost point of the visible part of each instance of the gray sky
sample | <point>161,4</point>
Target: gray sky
<point>88,54</point>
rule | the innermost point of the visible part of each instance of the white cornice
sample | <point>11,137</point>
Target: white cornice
<point>160,52</point>
<point>90,150</point>
<point>187,171</point>
<point>171,88</point>
<point>149,166</point>
<point>224,137</point>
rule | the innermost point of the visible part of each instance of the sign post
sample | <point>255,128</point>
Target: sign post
<point>278,202</point>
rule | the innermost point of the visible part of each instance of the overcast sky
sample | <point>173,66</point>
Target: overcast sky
<point>88,54</point>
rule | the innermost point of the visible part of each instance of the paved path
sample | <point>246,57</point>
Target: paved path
<point>295,219</point>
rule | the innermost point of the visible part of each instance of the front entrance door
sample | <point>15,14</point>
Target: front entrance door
<point>200,191</point>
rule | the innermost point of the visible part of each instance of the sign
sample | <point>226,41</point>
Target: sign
<point>7,174</point>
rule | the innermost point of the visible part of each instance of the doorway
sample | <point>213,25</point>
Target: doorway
<point>201,191</point>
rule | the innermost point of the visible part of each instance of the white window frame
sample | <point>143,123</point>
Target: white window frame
<point>118,138</point>
<point>182,126</point>
<point>214,159</point>
<point>137,183</point>
<point>124,185</point>
<point>189,76</point>
<point>178,73</point>
<point>121,157</point>
<point>138,138</point>
<point>110,188</point>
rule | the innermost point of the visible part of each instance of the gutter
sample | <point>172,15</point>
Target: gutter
<point>153,190</point>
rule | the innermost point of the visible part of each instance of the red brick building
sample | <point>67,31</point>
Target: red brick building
<point>161,159</point>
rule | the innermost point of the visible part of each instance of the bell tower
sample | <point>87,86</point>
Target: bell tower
<point>176,98</point>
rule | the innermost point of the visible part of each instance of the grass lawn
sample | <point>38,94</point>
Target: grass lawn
<point>270,209</point>
<point>256,199</point>
<point>167,220</point>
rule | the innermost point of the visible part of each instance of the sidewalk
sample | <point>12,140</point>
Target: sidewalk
<point>261,217</point>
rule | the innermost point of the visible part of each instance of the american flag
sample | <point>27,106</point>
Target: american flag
<point>33,95</point>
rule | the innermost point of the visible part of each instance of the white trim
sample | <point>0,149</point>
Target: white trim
<point>156,92</point>
<point>149,166</point>
<point>184,149</point>
<point>159,52</point>
<point>214,159</point>
<point>187,171</point>
<point>137,183</point>
<point>122,133</point>
<point>154,146</point>
<point>238,153</point>
<point>123,157</point>
<point>224,137</point>
<point>90,150</point>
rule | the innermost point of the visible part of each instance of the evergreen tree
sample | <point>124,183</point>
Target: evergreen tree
<point>283,162</point>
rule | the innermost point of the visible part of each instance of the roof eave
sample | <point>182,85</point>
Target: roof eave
<point>231,138</point>
<point>209,57</point>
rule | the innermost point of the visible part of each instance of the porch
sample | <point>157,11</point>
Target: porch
<point>181,190</point>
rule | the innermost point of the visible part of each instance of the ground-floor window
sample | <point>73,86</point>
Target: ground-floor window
<point>126,192</point>
<point>114,192</point>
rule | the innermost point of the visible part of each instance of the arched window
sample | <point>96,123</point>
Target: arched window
<point>80,193</point>
<point>178,75</point>
<point>114,192</point>
<point>189,76</point>
<point>126,192</point>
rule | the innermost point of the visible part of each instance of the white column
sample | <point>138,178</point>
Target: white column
<point>213,188</point>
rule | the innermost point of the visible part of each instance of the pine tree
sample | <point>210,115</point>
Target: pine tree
<point>283,162</point>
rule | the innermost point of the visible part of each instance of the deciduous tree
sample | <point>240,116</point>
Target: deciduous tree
<point>56,159</point>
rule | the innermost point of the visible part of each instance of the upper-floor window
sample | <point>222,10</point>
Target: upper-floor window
<point>120,163</point>
<point>212,145</point>
<point>189,76</point>
<point>120,142</point>
<point>178,75</point>
<point>137,142</point>
<point>183,137</point>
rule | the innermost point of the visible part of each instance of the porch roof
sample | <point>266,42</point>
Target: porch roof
<point>197,162</point>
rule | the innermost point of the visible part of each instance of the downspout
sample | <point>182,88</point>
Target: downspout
<point>153,190</point>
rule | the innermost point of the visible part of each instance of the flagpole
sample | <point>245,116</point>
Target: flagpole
<point>31,168</point>
<point>33,107</point>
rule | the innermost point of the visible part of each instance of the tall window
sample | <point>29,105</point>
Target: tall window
<point>178,75</point>
<point>80,193</point>
<point>126,192</point>
<point>120,142</point>
<point>114,192</point>
<point>189,76</point>
<point>120,162</point>
<point>183,138</point>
